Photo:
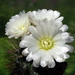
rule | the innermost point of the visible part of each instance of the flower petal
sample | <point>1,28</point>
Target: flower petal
<point>34,32</point>
<point>22,44</point>
<point>36,62</point>
<point>29,57</point>
<point>51,63</point>
<point>33,49</point>
<point>71,48</point>
<point>43,63</point>
<point>59,59</point>
<point>60,19</point>
<point>25,52</point>
<point>64,28</point>
<point>56,14</point>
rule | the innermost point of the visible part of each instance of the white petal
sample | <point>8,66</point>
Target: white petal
<point>63,38</point>
<point>70,39</point>
<point>56,14</point>
<point>46,56</point>
<point>33,49</point>
<point>58,50</point>
<point>35,56</point>
<point>65,56</point>
<point>43,10</point>
<point>51,63</point>
<point>35,65</point>
<point>34,32</point>
<point>39,15</point>
<point>39,54</point>
<point>40,30</point>
<point>43,63</point>
<point>64,28</point>
<point>25,52</point>
<point>22,44</point>
<point>36,62</point>
<point>29,57</point>
<point>59,42</point>
<point>30,38</point>
<point>58,24</point>
<point>62,57</point>
<point>57,37</point>
<point>65,35</point>
<point>52,31</point>
<point>60,19</point>
<point>54,28</point>
<point>59,59</point>
<point>44,28</point>
<point>62,49</point>
<point>30,44</point>
<point>71,48</point>
<point>12,36</point>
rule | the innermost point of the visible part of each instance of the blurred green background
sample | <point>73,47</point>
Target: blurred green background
<point>9,8</point>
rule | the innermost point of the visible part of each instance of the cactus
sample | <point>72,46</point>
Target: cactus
<point>23,67</point>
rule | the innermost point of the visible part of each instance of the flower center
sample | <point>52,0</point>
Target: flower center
<point>46,43</point>
<point>22,27</point>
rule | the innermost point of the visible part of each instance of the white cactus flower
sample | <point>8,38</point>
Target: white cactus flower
<point>35,16</point>
<point>47,42</point>
<point>17,25</point>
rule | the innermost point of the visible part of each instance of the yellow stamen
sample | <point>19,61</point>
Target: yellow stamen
<point>22,27</point>
<point>46,43</point>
